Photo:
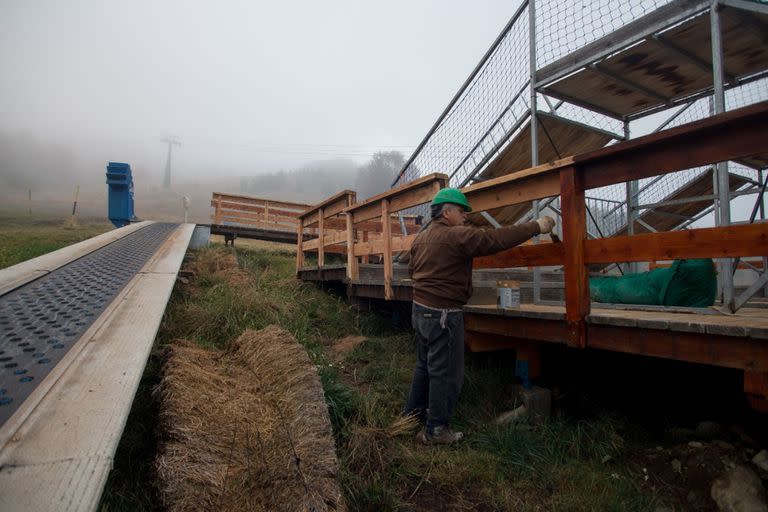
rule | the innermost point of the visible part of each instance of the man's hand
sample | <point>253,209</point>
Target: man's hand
<point>546,224</point>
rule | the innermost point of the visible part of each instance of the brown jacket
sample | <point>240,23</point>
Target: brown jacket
<point>441,259</point>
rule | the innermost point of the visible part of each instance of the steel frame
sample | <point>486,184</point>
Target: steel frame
<point>649,27</point>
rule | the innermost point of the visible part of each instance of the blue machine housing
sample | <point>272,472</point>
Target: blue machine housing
<point>120,185</point>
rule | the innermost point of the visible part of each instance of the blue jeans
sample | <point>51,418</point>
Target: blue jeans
<point>439,372</point>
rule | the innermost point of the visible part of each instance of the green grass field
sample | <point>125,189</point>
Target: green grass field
<point>24,238</point>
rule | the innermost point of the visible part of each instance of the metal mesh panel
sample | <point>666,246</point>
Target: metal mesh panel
<point>562,27</point>
<point>483,115</point>
<point>494,106</point>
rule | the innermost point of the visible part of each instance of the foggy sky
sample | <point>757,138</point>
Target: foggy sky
<point>247,86</point>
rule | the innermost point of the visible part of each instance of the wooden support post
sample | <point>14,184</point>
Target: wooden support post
<point>386,233</point>
<point>574,234</point>
<point>756,389</point>
<point>365,239</point>
<point>299,244</point>
<point>353,271</point>
<point>320,238</point>
<point>217,212</point>
<point>266,211</point>
<point>531,353</point>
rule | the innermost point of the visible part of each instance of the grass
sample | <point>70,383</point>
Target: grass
<point>562,465</point>
<point>28,237</point>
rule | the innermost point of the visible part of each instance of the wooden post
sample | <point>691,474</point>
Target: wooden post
<point>353,271</point>
<point>266,212</point>
<point>576,276</point>
<point>320,238</point>
<point>299,244</point>
<point>387,255</point>
<point>217,212</point>
<point>756,389</point>
<point>365,239</point>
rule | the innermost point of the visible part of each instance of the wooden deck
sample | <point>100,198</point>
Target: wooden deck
<point>56,451</point>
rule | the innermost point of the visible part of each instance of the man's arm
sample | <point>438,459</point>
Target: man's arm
<point>480,242</point>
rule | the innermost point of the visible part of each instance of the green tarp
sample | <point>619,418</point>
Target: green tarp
<point>691,283</point>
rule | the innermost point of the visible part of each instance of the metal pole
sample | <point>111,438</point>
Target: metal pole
<point>762,218</point>
<point>632,200</point>
<point>723,206</point>
<point>534,131</point>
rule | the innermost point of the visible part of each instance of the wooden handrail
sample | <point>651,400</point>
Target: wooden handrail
<point>239,198</point>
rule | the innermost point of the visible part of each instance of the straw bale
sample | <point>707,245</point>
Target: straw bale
<point>246,428</point>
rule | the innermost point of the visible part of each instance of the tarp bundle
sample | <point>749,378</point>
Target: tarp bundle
<point>691,283</point>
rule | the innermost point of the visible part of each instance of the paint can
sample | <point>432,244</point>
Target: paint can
<point>508,294</point>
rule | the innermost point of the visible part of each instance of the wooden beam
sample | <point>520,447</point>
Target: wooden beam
<point>217,212</point>
<point>397,244</point>
<point>298,207</point>
<point>258,208</point>
<point>516,188</point>
<point>330,204</point>
<point>353,268</point>
<point>256,217</point>
<point>553,331</point>
<point>756,389</point>
<point>335,237</point>
<point>320,238</point>
<point>405,196</point>
<point>299,245</point>
<point>340,222</point>
<point>722,242</point>
<point>387,253</point>
<point>729,136</point>
<point>705,348</point>
<point>523,256</point>
<point>576,275</point>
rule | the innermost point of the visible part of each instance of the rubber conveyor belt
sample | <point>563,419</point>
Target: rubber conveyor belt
<point>42,320</point>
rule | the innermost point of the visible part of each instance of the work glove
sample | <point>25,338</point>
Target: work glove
<point>546,224</point>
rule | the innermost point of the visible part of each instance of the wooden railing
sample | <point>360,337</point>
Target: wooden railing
<point>384,206</point>
<point>255,212</point>
<point>736,134</point>
<point>328,221</point>
<point>730,136</point>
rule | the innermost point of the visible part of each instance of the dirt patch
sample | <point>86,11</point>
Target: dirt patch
<point>683,474</point>
<point>246,428</point>
<point>345,345</point>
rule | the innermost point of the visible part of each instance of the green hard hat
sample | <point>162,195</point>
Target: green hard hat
<point>453,196</point>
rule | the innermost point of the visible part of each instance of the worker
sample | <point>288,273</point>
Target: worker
<point>440,265</point>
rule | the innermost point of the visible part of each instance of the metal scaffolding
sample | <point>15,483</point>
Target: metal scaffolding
<point>565,78</point>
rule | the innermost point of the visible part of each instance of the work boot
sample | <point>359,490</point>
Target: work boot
<point>440,435</point>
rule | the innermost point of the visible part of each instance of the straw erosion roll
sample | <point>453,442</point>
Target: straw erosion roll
<point>246,428</point>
